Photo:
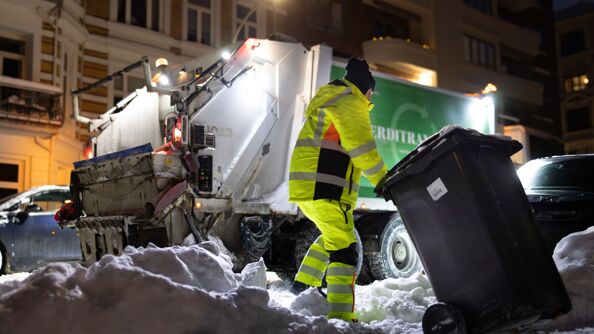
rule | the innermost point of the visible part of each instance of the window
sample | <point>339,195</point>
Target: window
<point>572,42</point>
<point>485,6</point>
<point>141,13</point>
<point>250,25</point>
<point>565,174</point>
<point>576,82</point>
<point>12,57</point>
<point>124,85</point>
<point>578,119</point>
<point>200,25</point>
<point>479,52</point>
<point>395,27</point>
<point>9,179</point>
<point>50,201</point>
<point>325,14</point>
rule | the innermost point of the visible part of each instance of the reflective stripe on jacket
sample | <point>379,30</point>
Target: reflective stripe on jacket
<point>334,146</point>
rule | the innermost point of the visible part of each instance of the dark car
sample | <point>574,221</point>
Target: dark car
<point>561,192</point>
<point>29,235</point>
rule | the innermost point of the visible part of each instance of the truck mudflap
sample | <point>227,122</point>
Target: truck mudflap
<point>100,236</point>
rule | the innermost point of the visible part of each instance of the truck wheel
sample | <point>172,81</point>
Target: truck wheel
<point>394,254</point>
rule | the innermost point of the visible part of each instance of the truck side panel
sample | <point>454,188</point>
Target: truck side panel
<point>406,113</point>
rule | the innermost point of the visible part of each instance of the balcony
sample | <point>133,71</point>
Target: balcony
<point>519,89</point>
<point>413,60</point>
<point>31,102</point>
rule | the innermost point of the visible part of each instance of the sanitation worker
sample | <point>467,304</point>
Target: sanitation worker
<point>334,146</point>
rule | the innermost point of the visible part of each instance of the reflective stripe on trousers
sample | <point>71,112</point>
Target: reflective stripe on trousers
<point>314,264</point>
<point>341,291</point>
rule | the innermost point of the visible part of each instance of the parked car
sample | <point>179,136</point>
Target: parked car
<point>29,235</point>
<point>561,192</point>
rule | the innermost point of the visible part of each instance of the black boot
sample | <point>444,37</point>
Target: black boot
<point>322,292</point>
<point>298,287</point>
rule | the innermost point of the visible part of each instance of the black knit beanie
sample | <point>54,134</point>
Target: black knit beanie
<point>357,72</point>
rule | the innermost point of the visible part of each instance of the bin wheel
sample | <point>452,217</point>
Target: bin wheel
<point>443,318</point>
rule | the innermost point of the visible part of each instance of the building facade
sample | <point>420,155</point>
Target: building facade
<point>575,38</point>
<point>460,45</point>
<point>48,48</point>
<point>39,47</point>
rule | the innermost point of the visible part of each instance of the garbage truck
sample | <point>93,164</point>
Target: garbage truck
<point>203,151</point>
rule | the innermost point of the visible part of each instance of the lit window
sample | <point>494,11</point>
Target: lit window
<point>576,82</point>
<point>479,52</point>
<point>141,13</point>
<point>200,21</point>
<point>12,57</point>
<point>250,25</point>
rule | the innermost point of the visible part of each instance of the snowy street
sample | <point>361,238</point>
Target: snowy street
<point>193,290</point>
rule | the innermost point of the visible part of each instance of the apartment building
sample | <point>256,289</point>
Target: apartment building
<point>575,38</point>
<point>460,45</point>
<point>40,44</point>
<point>47,48</point>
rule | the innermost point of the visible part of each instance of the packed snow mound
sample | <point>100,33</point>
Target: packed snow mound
<point>152,290</point>
<point>574,257</point>
<point>191,290</point>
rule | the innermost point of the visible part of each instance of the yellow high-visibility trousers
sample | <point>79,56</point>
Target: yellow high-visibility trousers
<point>335,222</point>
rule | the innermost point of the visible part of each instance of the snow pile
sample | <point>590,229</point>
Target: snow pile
<point>171,290</point>
<point>574,257</point>
<point>403,299</point>
<point>191,289</point>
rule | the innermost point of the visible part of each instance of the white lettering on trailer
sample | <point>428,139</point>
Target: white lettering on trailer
<point>437,189</point>
<point>381,133</point>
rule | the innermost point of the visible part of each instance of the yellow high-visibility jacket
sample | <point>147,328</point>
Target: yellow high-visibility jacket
<point>335,144</point>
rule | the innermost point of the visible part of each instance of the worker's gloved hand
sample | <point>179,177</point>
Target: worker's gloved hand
<point>379,188</point>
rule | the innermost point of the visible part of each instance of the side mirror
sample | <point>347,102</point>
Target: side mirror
<point>21,217</point>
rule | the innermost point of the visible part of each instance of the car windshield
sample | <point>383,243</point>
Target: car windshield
<point>12,202</point>
<point>575,174</point>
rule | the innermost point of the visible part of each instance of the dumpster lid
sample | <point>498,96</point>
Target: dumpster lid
<point>441,142</point>
<point>146,148</point>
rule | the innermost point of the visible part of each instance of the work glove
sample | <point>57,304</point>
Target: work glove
<point>379,188</point>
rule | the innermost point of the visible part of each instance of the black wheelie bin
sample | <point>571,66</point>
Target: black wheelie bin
<point>468,216</point>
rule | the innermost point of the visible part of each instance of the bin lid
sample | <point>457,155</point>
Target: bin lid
<point>441,142</point>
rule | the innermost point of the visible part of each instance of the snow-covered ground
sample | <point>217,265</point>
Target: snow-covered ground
<point>192,289</point>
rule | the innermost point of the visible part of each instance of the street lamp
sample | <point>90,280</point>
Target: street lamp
<point>253,9</point>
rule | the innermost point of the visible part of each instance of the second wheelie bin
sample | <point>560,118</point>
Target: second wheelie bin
<point>465,210</point>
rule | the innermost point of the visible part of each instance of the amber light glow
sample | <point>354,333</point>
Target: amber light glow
<point>88,152</point>
<point>177,135</point>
